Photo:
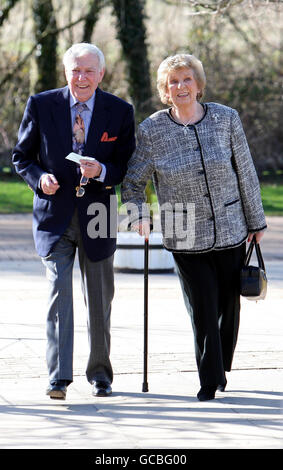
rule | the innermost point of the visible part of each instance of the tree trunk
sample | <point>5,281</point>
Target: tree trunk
<point>46,61</point>
<point>132,35</point>
<point>94,7</point>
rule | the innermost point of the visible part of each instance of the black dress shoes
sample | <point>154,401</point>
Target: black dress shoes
<point>101,389</point>
<point>57,390</point>
<point>206,393</point>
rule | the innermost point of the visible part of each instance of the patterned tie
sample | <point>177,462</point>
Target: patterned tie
<point>79,129</point>
<point>79,142</point>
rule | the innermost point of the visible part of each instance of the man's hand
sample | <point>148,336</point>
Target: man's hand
<point>49,184</point>
<point>90,169</point>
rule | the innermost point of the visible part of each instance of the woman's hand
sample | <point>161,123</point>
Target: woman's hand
<point>258,236</point>
<point>143,228</point>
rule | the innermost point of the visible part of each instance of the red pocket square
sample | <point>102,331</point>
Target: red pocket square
<point>105,138</point>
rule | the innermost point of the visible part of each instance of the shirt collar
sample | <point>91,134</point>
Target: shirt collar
<point>89,103</point>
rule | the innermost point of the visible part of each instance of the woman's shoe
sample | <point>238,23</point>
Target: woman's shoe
<point>221,387</point>
<point>206,393</point>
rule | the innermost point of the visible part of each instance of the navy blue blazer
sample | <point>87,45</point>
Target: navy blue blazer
<point>45,139</point>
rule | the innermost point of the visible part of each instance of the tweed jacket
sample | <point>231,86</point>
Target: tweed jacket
<point>205,180</point>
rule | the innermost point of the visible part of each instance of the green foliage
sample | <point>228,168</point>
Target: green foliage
<point>272,198</point>
<point>15,196</point>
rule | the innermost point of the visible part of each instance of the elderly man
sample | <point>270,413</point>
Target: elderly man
<point>83,119</point>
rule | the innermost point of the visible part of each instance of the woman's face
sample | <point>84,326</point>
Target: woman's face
<point>182,88</point>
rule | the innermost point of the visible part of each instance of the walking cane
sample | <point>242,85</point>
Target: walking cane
<point>145,384</point>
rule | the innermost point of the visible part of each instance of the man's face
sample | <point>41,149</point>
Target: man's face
<point>83,76</point>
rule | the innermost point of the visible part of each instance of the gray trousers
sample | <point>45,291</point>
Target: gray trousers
<point>97,280</point>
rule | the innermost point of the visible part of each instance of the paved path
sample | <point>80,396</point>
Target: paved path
<point>247,415</point>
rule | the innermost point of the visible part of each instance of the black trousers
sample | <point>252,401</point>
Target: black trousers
<point>211,287</point>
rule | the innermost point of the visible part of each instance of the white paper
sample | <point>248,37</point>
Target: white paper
<point>75,157</point>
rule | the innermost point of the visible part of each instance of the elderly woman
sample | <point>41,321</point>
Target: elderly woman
<point>210,203</point>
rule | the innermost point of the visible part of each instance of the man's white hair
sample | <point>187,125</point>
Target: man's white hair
<point>81,49</point>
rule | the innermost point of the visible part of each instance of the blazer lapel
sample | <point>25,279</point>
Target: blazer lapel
<point>100,117</point>
<point>62,119</point>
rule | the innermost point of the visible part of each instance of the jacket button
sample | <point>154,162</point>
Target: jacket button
<point>211,218</point>
<point>206,195</point>
<point>201,172</point>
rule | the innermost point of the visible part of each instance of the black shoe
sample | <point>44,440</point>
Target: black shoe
<point>221,387</point>
<point>57,390</point>
<point>206,393</point>
<point>101,389</point>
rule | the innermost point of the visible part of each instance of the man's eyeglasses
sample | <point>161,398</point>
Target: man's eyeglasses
<point>80,190</point>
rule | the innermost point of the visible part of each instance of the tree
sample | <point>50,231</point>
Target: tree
<point>46,49</point>
<point>132,35</point>
<point>5,10</point>
<point>238,42</point>
<point>94,7</point>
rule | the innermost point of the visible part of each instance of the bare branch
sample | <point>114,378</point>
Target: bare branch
<point>4,13</point>
<point>214,7</point>
<point>47,32</point>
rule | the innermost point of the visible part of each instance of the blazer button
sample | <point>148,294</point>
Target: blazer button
<point>206,195</point>
<point>201,172</point>
<point>211,218</point>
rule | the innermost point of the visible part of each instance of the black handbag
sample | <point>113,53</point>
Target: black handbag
<point>253,278</point>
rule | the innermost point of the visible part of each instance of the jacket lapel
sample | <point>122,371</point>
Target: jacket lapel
<point>100,117</point>
<point>62,119</point>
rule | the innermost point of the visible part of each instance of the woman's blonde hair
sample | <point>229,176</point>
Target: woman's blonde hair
<point>175,62</point>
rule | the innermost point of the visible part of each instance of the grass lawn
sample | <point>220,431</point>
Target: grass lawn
<point>272,199</point>
<point>16,197</point>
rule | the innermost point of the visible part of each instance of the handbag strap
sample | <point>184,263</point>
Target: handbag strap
<point>258,254</point>
<point>249,253</point>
